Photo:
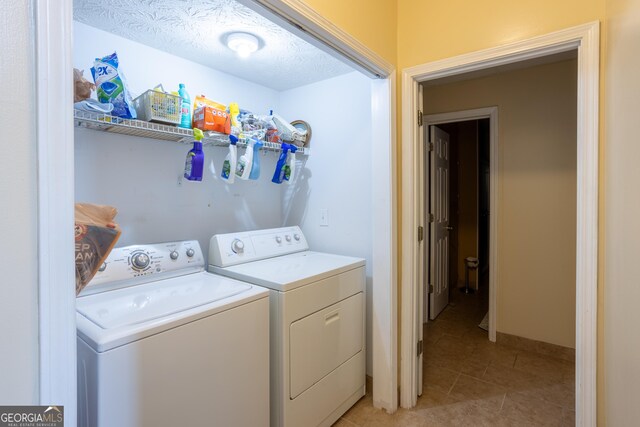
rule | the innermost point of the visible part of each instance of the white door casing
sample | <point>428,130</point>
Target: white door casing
<point>422,253</point>
<point>55,259</point>
<point>439,227</point>
<point>384,299</point>
<point>586,39</point>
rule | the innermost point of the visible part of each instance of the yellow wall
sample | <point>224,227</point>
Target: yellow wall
<point>434,29</point>
<point>373,22</point>
<point>536,193</point>
<point>621,223</point>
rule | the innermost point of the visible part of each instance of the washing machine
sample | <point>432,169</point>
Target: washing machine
<point>162,342</point>
<point>317,320</point>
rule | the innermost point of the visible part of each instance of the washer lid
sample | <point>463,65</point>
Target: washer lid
<point>171,303</point>
<point>290,271</point>
<point>139,304</point>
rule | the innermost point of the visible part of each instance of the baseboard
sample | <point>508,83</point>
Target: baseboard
<point>540,347</point>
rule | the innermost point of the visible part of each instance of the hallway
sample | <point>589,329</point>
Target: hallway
<point>470,381</point>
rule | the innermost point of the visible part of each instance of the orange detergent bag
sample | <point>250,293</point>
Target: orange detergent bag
<point>96,234</point>
<point>209,115</point>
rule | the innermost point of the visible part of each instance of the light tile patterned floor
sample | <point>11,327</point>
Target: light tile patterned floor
<point>469,381</point>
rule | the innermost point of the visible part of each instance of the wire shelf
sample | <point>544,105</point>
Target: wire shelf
<point>108,123</point>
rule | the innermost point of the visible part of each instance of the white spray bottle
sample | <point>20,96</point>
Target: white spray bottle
<point>290,168</point>
<point>245,163</point>
<point>229,165</point>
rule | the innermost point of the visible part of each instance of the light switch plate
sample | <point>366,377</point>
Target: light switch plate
<point>324,217</point>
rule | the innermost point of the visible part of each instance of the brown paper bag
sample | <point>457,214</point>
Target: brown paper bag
<point>96,234</point>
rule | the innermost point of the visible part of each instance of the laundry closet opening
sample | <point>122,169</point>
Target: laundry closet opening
<point>142,174</point>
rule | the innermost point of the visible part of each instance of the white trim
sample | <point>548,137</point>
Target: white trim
<point>586,39</point>
<point>409,242</point>
<point>308,24</point>
<point>587,227</point>
<point>422,251</point>
<point>502,55</point>
<point>56,275</point>
<point>385,242</point>
<point>493,225</point>
<point>492,114</point>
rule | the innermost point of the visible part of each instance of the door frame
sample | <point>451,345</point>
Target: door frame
<point>53,59</point>
<point>52,21</point>
<point>490,113</point>
<point>584,38</point>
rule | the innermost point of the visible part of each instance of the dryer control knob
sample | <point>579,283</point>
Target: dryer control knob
<point>288,238</point>
<point>190,252</point>
<point>278,239</point>
<point>237,246</point>
<point>103,266</point>
<point>173,255</point>
<point>297,237</point>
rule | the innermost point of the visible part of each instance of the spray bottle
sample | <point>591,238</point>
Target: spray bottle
<point>195,158</point>
<point>243,169</point>
<point>290,167</point>
<point>278,175</point>
<point>255,168</point>
<point>229,165</point>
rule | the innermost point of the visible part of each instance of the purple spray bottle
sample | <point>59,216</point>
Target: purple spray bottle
<point>195,158</point>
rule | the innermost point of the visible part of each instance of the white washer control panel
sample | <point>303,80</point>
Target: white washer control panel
<point>237,248</point>
<point>137,264</point>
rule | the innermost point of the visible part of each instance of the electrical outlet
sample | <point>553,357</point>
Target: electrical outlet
<point>324,217</point>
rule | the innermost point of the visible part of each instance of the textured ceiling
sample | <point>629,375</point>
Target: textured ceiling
<point>194,29</point>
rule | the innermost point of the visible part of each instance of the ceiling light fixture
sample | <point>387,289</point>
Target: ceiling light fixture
<point>244,44</point>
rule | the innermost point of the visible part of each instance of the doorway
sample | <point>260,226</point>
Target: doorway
<point>585,40</point>
<point>466,231</point>
<point>536,201</point>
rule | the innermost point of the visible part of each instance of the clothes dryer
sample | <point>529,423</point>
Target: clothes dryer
<point>317,320</point>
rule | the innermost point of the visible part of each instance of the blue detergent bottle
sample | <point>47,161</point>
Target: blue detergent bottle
<point>255,169</point>
<point>278,175</point>
<point>194,164</point>
<point>185,107</point>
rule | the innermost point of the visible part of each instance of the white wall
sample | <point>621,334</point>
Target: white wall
<point>622,210</point>
<point>18,218</point>
<point>337,175</point>
<point>139,176</point>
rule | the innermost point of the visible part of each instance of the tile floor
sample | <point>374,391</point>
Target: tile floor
<point>470,381</point>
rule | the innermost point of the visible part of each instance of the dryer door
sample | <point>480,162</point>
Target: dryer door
<point>324,340</point>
